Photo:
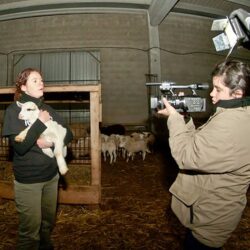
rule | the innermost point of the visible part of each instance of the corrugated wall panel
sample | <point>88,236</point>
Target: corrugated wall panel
<point>85,66</point>
<point>55,67</point>
<point>22,61</point>
<point>3,70</point>
<point>61,67</point>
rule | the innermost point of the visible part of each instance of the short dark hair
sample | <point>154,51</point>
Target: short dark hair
<point>236,75</point>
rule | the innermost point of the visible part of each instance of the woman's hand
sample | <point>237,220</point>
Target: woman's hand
<point>44,116</point>
<point>42,143</point>
<point>168,110</point>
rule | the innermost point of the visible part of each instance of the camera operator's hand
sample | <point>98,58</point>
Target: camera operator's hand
<point>168,110</point>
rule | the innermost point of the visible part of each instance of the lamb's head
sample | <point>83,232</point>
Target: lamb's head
<point>29,111</point>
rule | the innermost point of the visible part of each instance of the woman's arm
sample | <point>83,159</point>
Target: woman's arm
<point>31,138</point>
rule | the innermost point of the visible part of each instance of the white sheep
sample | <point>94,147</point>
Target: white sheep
<point>137,136</point>
<point>122,141</point>
<point>150,139</point>
<point>108,145</point>
<point>133,146</point>
<point>54,133</point>
<point>81,147</point>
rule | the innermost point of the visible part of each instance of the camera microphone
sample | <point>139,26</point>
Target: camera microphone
<point>202,86</point>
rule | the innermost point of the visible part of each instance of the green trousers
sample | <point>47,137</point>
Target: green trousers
<point>36,206</point>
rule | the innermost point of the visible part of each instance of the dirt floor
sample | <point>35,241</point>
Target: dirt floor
<point>134,212</point>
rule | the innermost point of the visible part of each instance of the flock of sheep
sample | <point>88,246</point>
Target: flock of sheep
<point>126,145</point>
<point>114,142</point>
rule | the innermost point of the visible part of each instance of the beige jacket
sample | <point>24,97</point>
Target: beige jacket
<point>211,197</point>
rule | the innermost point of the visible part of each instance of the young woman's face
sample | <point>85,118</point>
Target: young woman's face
<point>220,91</point>
<point>34,85</point>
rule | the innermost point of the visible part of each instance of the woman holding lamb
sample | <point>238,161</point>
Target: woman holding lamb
<point>36,174</point>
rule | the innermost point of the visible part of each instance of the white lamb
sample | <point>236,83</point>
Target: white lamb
<point>133,146</point>
<point>54,133</point>
<point>81,147</point>
<point>108,145</point>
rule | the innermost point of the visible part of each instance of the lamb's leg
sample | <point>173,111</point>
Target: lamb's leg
<point>128,156</point>
<point>58,151</point>
<point>111,158</point>
<point>132,156</point>
<point>124,153</point>
<point>115,155</point>
<point>143,155</point>
<point>64,151</point>
<point>104,155</point>
<point>63,169</point>
<point>48,152</point>
<point>21,136</point>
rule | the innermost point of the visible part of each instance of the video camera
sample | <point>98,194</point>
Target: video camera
<point>181,102</point>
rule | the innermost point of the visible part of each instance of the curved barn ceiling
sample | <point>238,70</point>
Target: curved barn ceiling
<point>157,9</point>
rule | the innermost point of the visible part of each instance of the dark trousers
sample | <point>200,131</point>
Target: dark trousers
<point>36,206</point>
<point>191,243</point>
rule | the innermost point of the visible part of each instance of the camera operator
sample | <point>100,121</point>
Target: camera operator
<point>209,193</point>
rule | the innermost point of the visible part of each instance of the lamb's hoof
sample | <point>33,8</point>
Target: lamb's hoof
<point>51,154</point>
<point>18,139</point>
<point>63,171</point>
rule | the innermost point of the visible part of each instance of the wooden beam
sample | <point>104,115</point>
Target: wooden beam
<point>72,88</point>
<point>95,138</point>
<point>74,194</point>
<point>59,88</point>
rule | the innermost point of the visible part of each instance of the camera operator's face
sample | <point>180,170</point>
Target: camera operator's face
<point>220,91</point>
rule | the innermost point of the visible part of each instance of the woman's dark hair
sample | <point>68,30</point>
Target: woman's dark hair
<point>236,75</point>
<point>21,80</point>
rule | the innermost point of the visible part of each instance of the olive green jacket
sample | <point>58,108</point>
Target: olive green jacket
<point>209,193</point>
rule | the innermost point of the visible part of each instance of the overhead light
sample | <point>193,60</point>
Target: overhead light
<point>236,31</point>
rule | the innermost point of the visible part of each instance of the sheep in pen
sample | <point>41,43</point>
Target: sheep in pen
<point>79,148</point>
<point>116,142</point>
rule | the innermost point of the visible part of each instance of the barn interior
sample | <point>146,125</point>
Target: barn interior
<point>102,62</point>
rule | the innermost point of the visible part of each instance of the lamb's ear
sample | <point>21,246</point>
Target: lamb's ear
<point>19,104</point>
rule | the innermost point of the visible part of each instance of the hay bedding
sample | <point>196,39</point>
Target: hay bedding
<point>134,213</point>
